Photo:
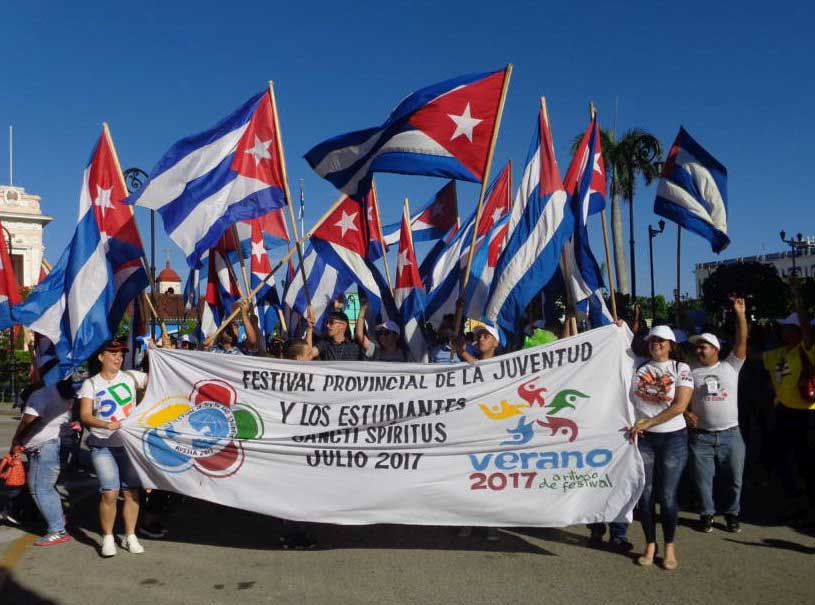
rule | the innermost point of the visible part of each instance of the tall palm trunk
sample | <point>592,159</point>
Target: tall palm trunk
<point>617,236</point>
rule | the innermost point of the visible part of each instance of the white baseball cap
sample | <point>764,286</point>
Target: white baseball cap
<point>186,338</point>
<point>790,320</point>
<point>663,332</point>
<point>489,330</point>
<point>706,337</point>
<point>390,326</point>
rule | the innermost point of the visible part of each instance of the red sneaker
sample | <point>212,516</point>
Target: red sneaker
<point>52,539</point>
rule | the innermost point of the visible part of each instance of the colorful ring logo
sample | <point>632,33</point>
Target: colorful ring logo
<point>203,431</point>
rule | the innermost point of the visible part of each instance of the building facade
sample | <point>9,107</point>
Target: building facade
<point>23,224</point>
<point>782,261</point>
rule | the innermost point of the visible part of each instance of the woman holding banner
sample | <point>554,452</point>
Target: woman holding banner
<point>661,391</point>
<point>107,398</point>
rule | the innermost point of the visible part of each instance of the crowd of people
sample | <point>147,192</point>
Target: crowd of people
<point>705,406</point>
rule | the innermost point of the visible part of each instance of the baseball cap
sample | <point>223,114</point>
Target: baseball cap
<point>186,338</point>
<point>790,320</point>
<point>389,326</point>
<point>706,337</point>
<point>489,330</point>
<point>337,316</point>
<point>663,332</point>
<point>113,346</point>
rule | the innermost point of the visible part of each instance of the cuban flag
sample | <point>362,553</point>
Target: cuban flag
<point>325,284</point>
<point>497,201</point>
<point>692,191</point>
<point>443,130</point>
<point>443,280</point>
<point>222,289</point>
<point>192,289</point>
<point>341,240</point>
<point>9,293</point>
<point>267,301</point>
<point>373,226</point>
<point>482,270</point>
<point>536,237</point>
<point>431,222</point>
<point>586,185</point>
<point>80,303</point>
<point>211,180</point>
<point>408,293</point>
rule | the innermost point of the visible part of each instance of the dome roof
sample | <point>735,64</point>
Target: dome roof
<point>168,275</point>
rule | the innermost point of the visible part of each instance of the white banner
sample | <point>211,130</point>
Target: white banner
<point>532,438</point>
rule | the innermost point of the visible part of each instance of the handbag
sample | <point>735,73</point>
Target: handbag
<point>12,470</point>
<point>806,381</point>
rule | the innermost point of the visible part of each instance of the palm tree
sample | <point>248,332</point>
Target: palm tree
<point>637,153</point>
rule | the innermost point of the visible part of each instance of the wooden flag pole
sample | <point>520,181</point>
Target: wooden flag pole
<point>375,197</point>
<point>287,193</point>
<point>609,270</point>
<point>236,311</point>
<point>145,264</point>
<point>678,272</point>
<point>484,185</point>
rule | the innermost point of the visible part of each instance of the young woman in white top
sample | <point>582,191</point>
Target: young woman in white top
<point>105,400</point>
<point>660,391</point>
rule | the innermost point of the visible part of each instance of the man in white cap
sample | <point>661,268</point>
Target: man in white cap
<point>717,448</point>
<point>386,345</point>
<point>487,342</point>
<point>794,414</point>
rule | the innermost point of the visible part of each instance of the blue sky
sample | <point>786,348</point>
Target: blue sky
<point>739,79</point>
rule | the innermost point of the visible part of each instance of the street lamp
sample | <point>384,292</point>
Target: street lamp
<point>794,244</point>
<point>135,178</point>
<point>652,233</point>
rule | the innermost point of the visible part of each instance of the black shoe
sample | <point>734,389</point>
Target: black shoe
<point>620,545</point>
<point>596,539</point>
<point>297,541</point>
<point>733,524</point>
<point>155,531</point>
<point>706,523</point>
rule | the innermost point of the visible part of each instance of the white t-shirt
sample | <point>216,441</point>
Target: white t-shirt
<point>715,394</point>
<point>54,415</point>
<point>113,400</point>
<point>653,390</point>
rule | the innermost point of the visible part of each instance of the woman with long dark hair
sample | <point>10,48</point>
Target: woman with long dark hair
<point>660,391</point>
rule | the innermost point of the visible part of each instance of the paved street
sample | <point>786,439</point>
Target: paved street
<point>217,555</point>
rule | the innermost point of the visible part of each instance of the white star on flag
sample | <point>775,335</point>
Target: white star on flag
<point>597,163</point>
<point>437,210</point>
<point>103,199</point>
<point>260,151</point>
<point>497,214</point>
<point>258,250</point>
<point>347,222</point>
<point>402,262</point>
<point>464,124</point>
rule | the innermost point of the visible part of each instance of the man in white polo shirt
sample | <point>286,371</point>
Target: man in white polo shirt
<point>717,448</point>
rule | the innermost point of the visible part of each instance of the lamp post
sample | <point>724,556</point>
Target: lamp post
<point>652,233</point>
<point>795,244</point>
<point>12,360</point>
<point>135,178</point>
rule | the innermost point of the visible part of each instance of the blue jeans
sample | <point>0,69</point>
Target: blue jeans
<point>114,469</point>
<point>720,453</point>
<point>664,456</point>
<point>43,470</point>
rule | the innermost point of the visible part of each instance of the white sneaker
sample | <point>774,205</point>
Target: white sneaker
<point>108,546</point>
<point>131,543</point>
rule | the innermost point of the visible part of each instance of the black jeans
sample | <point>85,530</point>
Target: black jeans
<point>794,450</point>
<point>664,456</point>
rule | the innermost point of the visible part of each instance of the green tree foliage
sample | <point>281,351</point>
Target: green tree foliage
<point>767,295</point>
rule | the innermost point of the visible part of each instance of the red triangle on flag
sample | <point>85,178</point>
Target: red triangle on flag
<point>257,155</point>
<point>344,226</point>
<point>462,120</point>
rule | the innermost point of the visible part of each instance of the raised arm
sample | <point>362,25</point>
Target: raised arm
<point>801,309</point>
<point>740,344</point>
<point>359,330</point>
<point>314,351</point>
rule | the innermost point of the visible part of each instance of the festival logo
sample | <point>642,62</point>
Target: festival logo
<point>534,412</point>
<point>114,403</point>
<point>653,386</point>
<point>203,431</point>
